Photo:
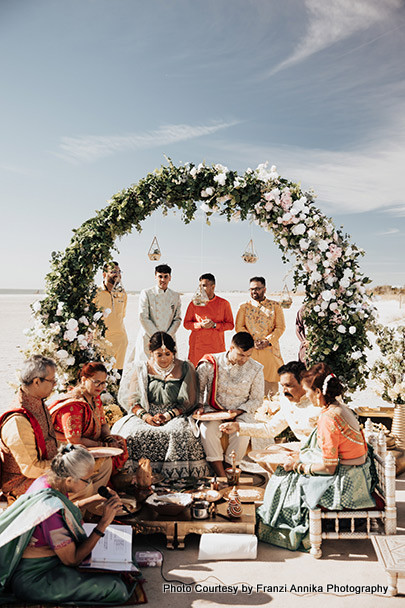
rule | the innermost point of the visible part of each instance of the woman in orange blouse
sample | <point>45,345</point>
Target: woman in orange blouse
<point>332,469</point>
<point>78,416</point>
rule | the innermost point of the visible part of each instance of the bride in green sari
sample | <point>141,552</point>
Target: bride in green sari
<point>42,540</point>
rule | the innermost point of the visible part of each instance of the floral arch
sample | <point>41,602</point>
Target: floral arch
<point>69,328</point>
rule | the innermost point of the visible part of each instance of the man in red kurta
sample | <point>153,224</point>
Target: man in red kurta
<point>208,323</point>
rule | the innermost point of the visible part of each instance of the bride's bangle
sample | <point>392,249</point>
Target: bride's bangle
<point>171,414</point>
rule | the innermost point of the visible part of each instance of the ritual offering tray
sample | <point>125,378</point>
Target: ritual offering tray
<point>246,493</point>
<point>104,452</point>
<point>171,504</point>
<point>206,494</point>
<point>130,503</point>
<point>273,456</point>
<point>377,412</point>
<point>208,416</point>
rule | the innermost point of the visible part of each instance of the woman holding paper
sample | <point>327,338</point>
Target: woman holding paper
<point>42,540</point>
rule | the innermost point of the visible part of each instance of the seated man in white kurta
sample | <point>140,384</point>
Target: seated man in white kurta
<point>229,381</point>
<point>296,410</point>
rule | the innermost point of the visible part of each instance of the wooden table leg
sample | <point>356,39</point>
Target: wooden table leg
<point>170,535</point>
<point>392,583</point>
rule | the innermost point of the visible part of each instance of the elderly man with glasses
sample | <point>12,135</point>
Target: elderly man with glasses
<point>263,319</point>
<point>27,437</point>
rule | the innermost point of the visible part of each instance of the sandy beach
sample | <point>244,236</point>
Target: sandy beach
<point>15,316</point>
<point>341,578</point>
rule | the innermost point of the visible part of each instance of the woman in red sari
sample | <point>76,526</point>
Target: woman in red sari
<point>78,416</point>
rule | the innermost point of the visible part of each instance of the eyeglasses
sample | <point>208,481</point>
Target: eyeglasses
<point>53,381</point>
<point>97,384</point>
<point>86,481</point>
<point>256,288</point>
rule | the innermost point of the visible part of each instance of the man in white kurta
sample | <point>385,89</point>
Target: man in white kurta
<point>159,310</point>
<point>239,385</point>
<point>296,410</point>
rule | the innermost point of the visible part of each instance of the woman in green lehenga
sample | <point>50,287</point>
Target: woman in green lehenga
<point>333,469</point>
<point>42,540</point>
<point>159,395</point>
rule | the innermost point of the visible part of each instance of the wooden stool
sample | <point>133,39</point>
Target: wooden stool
<point>391,555</point>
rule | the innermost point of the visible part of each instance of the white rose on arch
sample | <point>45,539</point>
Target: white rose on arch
<point>315,277</point>
<point>341,329</point>
<point>72,325</point>
<point>220,179</point>
<point>323,245</point>
<point>299,229</point>
<point>205,207</point>
<point>36,307</point>
<point>328,295</point>
<point>97,316</point>
<point>62,354</point>
<point>70,335</point>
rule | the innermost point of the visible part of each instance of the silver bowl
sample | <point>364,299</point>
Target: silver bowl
<point>200,509</point>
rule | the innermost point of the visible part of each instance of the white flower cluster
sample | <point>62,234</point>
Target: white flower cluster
<point>63,339</point>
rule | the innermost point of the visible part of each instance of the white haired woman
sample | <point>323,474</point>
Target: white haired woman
<point>42,540</point>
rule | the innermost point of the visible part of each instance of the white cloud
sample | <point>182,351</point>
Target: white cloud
<point>362,178</point>
<point>388,232</point>
<point>331,22</point>
<point>90,148</point>
<point>398,211</point>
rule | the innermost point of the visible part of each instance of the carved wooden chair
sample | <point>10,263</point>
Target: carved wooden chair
<point>382,519</point>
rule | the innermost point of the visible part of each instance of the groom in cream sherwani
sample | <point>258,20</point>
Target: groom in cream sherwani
<point>159,310</point>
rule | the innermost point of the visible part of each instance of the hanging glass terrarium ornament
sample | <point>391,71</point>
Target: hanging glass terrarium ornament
<point>154,252</point>
<point>285,297</point>
<point>249,255</point>
<point>200,297</point>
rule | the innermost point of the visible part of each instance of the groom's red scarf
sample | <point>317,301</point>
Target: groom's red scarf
<point>213,395</point>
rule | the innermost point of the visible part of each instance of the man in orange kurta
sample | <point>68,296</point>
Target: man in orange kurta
<point>263,319</point>
<point>208,323</point>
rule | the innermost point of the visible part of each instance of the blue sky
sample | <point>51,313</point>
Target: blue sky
<point>96,92</point>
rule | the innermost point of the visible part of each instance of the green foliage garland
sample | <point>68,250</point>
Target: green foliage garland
<point>388,370</point>
<point>69,328</point>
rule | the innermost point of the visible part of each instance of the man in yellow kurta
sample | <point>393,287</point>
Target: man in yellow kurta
<point>111,295</point>
<point>263,319</point>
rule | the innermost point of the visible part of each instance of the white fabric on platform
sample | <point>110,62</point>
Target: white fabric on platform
<point>227,546</point>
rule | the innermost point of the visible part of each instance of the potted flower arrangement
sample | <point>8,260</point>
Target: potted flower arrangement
<point>389,373</point>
